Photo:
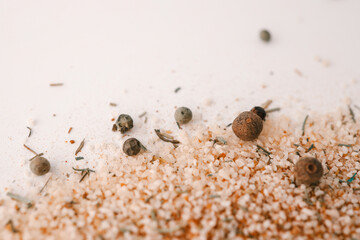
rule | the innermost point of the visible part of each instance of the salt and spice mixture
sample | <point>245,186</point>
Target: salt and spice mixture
<point>211,185</point>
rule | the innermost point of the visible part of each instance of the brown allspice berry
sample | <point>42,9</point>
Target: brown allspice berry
<point>131,147</point>
<point>247,126</point>
<point>40,166</point>
<point>308,171</point>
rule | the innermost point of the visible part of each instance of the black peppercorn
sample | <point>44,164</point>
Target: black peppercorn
<point>265,35</point>
<point>259,111</point>
<point>308,171</point>
<point>183,115</point>
<point>40,166</point>
<point>123,123</point>
<point>132,147</point>
<point>247,126</point>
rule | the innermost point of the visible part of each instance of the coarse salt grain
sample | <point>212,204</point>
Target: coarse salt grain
<point>245,185</point>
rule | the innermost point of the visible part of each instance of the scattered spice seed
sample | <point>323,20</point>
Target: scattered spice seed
<point>142,115</point>
<point>20,199</point>
<point>247,126</point>
<point>265,35</point>
<point>273,110</point>
<point>80,147</point>
<point>183,115</point>
<point>113,104</point>
<point>123,124</point>
<point>30,131</point>
<point>264,150</point>
<point>165,137</point>
<point>79,158</point>
<point>56,84</point>
<point>70,129</point>
<point>344,145</point>
<point>304,123</point>
<point>308,171</point>
<point>309,149</point>
<point>30,149</point>
<point>40,166</point>
<point>12,228</point>
<point>352,114</point>
<point>177,89</point>
<point>131,147</point>
<point>45,184</point>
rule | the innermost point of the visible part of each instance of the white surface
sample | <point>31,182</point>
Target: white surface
<point>135,53</point>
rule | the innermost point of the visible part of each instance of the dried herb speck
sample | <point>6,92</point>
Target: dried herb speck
<point>142,115</point>
<point>30,131</point>
<point>20,199</point>
<point>304,123</point>
<point>344,145</point>
<point>177,89</point>
<point>311,147</point>
<point>56,84</point>
<point>352,114</point>
<point>80,147</point>
<point>165,137</point>
<point>30,149</point>
<point>84,172</point>
<point>273,110</point>
<point>113,104</point>
<point>264,150</point>
<point>45,184</point>
<point>79,158</point>
<point>12,228</point>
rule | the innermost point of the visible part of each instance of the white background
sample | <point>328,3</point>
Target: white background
<point>135,53</point>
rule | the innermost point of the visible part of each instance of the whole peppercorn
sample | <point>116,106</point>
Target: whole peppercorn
<point>131,147</point>
<point>265,35</point>
<point>40,166</point>
<point>259,111</point>
<point>308,171</point>
<point>123,123</point>
<point>247,126</point>
<point>183,115</point>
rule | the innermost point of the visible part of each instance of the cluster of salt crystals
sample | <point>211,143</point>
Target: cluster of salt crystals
<point>201,190</point>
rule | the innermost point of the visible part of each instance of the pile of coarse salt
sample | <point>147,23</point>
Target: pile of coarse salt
<point>206,190</point>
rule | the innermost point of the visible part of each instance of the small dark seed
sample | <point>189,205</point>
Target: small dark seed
<point>247,126</point>
<point>265,35</point>
<point>40,166</point>
<point>123,124</point>
<point>131,147</point>
<point>308,171</point>
<point>259,111</point>
<point>183,115</point>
